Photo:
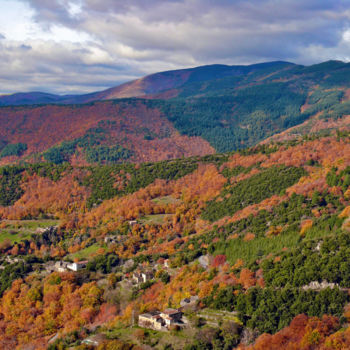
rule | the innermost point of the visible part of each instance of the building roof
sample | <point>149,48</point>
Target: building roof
<point>170,312</point>
<point>151,314</point>
<point>147,273</point>
<point>82,262</point>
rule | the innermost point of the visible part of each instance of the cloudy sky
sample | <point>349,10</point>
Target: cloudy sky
<point>78,46</point>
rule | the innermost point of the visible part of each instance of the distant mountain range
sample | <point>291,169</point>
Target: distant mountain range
<point>150,85</point>
<point>177,113</point>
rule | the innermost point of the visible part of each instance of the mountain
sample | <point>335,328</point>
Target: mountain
<point>151,84</point>
<point>29,98</point>
<point>178,113</point>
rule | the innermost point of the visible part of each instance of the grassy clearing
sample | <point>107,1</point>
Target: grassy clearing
<point>85,253</point>
<point>13,236</point>
<point>156,340</point>
<point>156,219</point>
<point>165,200</point>
<point>19,230</point>
<point>28,224</point>
<point>215,317</point>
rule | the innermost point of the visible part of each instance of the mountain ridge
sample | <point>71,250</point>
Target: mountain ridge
<point>178,113</point>
<point>135,88</point>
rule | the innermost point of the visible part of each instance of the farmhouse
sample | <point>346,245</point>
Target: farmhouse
<point>141,277</point>
<point>166,263</point>
<point>59,266</point>
<point>160,320</point>
<point>110,239</point>
<point>76,266</point>
<point>137,278</point>
<point>171,316</point>
<point>152,320</point>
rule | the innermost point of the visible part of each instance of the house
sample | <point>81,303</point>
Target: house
<point>171,316</point>
<point>152,320</point>
<point>41,230</point>
<point>147,275</point>
<point>137,277</point>
<point>189,303</point>
<point>60,266</point>
<point>205,261</point>
<point>110,239</point>
<point>132,222</point>
<point>166,263</point>
<point>76,266</point>
<point>161,320</point>
<point>143,276</point>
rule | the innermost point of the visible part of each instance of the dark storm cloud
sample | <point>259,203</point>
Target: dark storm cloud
<point>136,37</point>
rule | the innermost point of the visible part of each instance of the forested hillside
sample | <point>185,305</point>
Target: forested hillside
<point>102,132</point>
<point>220,192</point>
<point>260,238</point>
<point>178,113</point>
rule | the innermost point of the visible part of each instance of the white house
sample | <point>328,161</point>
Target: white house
<point>76,266</point>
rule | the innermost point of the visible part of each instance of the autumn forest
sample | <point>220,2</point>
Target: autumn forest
<point>224,198</point>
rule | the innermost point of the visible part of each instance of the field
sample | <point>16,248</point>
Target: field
<point>216,317</point>
<point>156,219</point>
<point>85,253</point>
<point>19,230</point>
<point>165,200</point>
<point>156,339</point>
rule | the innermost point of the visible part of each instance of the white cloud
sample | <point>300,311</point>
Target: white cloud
<point>81,45</point>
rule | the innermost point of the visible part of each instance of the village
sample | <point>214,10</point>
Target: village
<point>132,277</point>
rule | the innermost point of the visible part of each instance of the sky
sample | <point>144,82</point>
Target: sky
<point>80,46</point>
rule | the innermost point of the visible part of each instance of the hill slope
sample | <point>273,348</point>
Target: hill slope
<point>91,132</point>
<point>221,108</point>
<point>151,84</point>
<point>241,231</point>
